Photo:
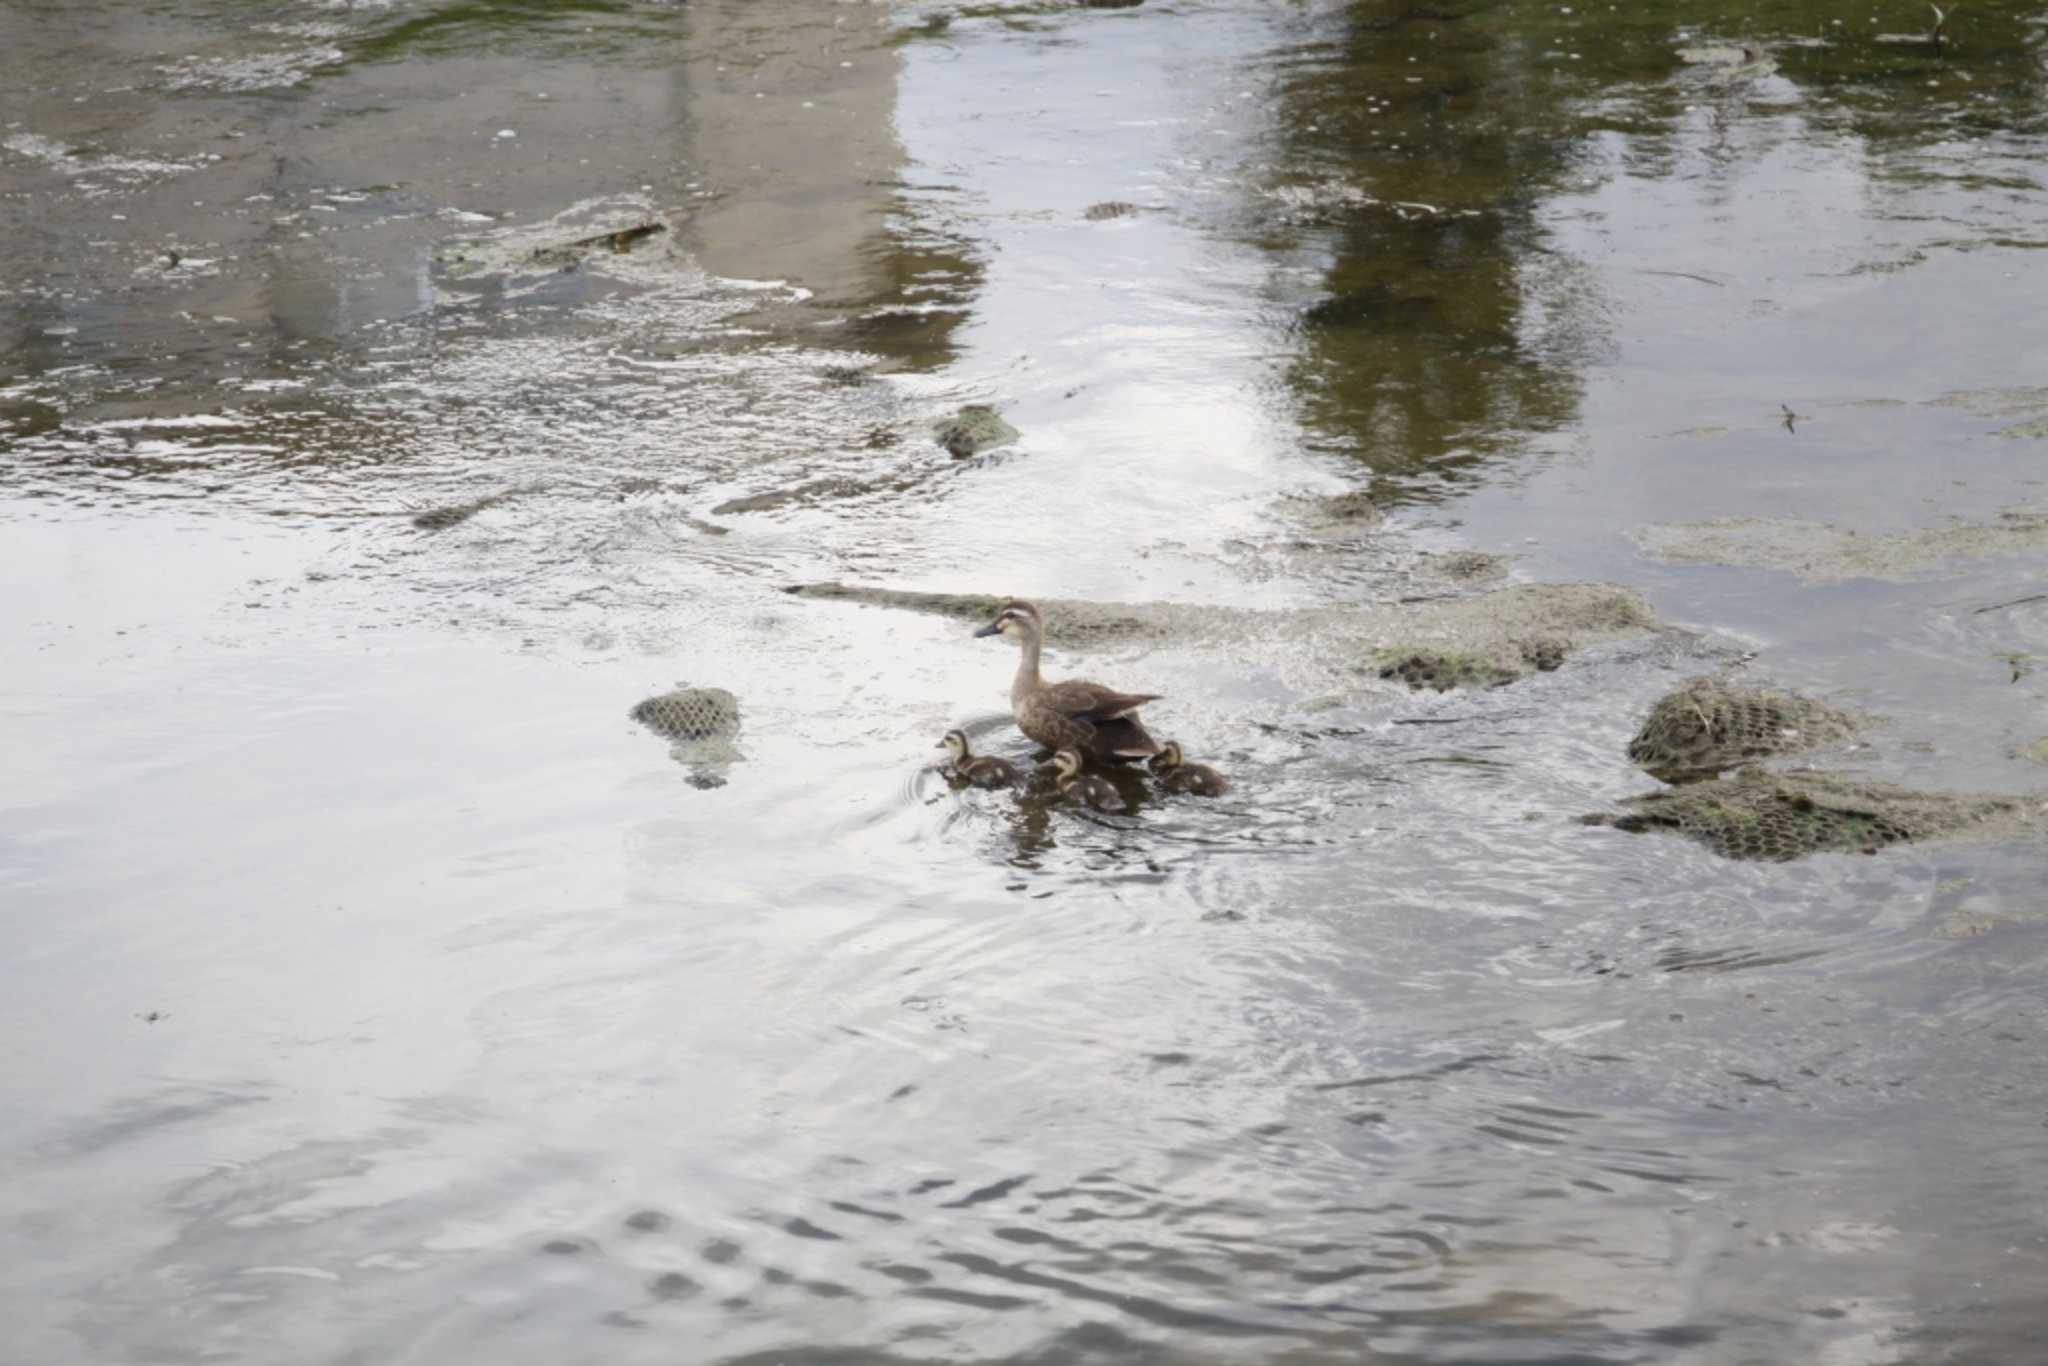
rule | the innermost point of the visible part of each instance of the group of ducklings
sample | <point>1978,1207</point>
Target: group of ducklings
<point>1077,721</point>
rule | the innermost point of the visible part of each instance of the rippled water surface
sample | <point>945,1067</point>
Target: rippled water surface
<point>376,991</point>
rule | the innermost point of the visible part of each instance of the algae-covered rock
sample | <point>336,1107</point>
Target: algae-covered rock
<point>691,714</point>
<point>1707,727</point>
<point>974,429</point>
<point>1484,637</point>
<point>1777,817</point>
<point>702,725</point>
<point>1822,553</point>
<point>1447,670</point>
<point>1443,670</point>
<point>1471,566</point>
<point>1349,510</point>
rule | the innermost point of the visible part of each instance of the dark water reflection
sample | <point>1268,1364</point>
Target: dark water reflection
<point>379,993</point>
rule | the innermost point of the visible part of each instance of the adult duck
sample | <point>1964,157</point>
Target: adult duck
<point>1073,714</point>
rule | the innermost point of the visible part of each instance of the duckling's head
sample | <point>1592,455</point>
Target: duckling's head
<point>955,743</point>
<point>1168,758</point>
<point>1016,619</point>
<point>1067,763</point>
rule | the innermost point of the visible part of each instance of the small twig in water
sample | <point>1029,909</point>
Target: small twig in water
<point>1686,275</point>
<point>2016,602</point>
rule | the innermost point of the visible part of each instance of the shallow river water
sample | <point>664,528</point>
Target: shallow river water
<point>376,991</point>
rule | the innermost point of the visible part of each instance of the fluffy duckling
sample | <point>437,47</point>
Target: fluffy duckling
<point>1090,788</point>
<point>1176,774</point>
<point>982,770</point>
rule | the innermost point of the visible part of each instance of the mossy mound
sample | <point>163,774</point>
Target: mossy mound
<point>1707,727</point>
<point>691,714</point>
<point>1447,670</point>
<point>1777,817</point>
<point>975,429</point>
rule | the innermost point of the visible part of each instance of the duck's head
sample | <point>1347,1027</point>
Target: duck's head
<point>1067,763</point>
<point>1018,619</point>
<point>1168,758</point>
<point>954,743</point>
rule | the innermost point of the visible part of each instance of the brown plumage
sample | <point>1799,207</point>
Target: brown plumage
<point>1076,715</point>
<point>982,770</point>
<point>1176,774</point>
<point>1077,786</point>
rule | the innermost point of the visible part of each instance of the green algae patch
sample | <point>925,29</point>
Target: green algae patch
<point>1708,726</point>
<point>1770,817</point>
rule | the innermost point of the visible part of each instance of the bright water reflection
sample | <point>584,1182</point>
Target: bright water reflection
<point>378,993</point>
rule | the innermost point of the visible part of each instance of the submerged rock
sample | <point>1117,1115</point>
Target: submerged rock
<point>976,428</point>
<point>1707,727</point>
<point>815,490</point>
<point>1820,552</point>
<point>455,514</point>
<point>1487,637</point>
<point>1777,817</point>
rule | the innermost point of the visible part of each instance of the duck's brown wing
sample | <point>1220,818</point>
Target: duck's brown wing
<point>1092,702</point>
<point>1123,737</point>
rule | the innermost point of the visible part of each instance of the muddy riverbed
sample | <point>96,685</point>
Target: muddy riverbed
<point>392,395</point>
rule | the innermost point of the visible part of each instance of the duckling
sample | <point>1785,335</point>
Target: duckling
<point>1090,788</point>
<point>1176,774</point>
<point>1088,717</point>
<point>982,770</point>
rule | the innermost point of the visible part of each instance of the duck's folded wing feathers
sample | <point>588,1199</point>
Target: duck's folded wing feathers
<point>1092,701</point>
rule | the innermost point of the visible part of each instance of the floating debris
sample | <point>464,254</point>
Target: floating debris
<point>618,242</point>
